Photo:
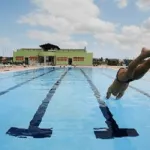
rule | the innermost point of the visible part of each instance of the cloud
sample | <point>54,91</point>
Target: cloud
<point>64,41</point>
<point>65,19</point>
<point>143,4</point>
<point>77,17</point>
<point>7,46</point>
<point>4,41</point>
<point>47,36</point>
<point>130,38</point>
<point>73,17</point>
<point>121,3</point>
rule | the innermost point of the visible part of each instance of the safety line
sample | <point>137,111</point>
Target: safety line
<point>113,129</point>
<point>33,129</point>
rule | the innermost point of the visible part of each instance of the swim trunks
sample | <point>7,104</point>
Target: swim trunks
<point>129,80</point>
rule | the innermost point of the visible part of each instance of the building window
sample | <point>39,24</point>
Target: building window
<point>21,58</point>
<point>78,59</point>
<point>61,58</point>
<point>75,58</point>
<point>57,58</point>
<point>64,58</point>
<point>33,58</point>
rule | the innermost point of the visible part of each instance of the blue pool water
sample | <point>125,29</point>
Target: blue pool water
<point>73,111</point>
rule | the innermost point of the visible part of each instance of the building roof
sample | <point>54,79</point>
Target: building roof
<point>74,50</point>
<point>49,46</point>
<point>28,49</point>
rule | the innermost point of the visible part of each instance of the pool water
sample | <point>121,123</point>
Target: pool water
<point>59,110</point>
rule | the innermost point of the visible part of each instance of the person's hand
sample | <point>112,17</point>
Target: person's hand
<point>108,93</point>
<point>119,95</point>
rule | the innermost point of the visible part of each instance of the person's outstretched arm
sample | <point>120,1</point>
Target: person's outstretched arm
<point>108,93</point>
<point>119,95</point>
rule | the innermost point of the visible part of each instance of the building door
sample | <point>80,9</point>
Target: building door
<point>69,61</point>
<point>40,59</point>
<point>26,60</point>
<point>50,60</point>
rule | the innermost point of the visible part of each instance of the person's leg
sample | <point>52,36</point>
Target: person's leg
<point>141,70</point>
<point>132,66</point>
<point>128,73</point>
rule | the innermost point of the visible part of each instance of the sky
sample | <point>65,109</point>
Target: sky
<point>108,28</point>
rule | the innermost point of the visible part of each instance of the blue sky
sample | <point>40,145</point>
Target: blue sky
<point>107,28</point>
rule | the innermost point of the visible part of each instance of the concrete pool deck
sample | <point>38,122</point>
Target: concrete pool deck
<point>22,68</point>
<point>16,68</point>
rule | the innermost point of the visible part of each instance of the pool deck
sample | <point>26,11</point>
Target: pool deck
<point>22,68</point>
<point>15,68</point>
<point>18,68</point>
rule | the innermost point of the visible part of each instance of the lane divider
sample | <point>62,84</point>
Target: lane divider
<point>113,130</point>
<point>33,129</point>
<point>22,73</point>
<point>20,84</point>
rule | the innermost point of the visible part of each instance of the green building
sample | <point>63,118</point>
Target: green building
<point>52,55</point>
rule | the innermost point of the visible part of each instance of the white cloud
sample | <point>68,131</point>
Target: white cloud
<point>47,36</point>
<point>146,24</point>
<point>130,38</point>
<point>4,41</point>
<point>143,4</point>
<point>7,46</point>
<point>66,19</point>
<point>121,3</point>
<point>79,17</point>
<point>75,16</point>
<point>64,41</point>
<point>74,44</point>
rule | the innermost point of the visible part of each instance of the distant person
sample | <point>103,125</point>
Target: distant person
<point>24,65</point>
<point>136,70</point>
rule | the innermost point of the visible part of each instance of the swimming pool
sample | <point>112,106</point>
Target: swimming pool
<point>60,110</point>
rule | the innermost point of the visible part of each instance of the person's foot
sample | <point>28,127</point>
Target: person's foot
<point>145,52</point>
